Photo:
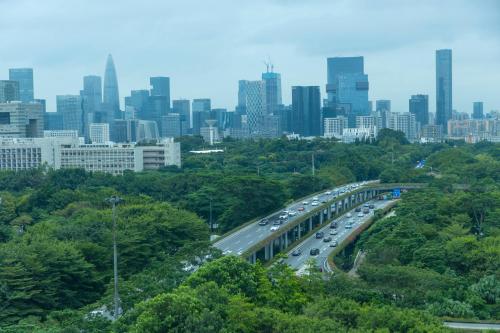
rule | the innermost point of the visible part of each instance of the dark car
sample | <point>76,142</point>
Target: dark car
<point>277,222</point>
<point>263,222</point>
<point>296,252</point>
<point>314,252</point>
<point>319,235</point>
<point>372,206</point>
<point>358,209</point>
<point>327,239</point>
<point>333,225</point>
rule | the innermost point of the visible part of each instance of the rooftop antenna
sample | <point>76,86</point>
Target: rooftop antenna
<point>269,65</point>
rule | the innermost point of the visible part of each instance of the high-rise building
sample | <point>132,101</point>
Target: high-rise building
<point>138,100</point>
<point>273,91</point>
<point>334,127</point>
<point>70,107</point>
<point>160,86</point>
<point>99,133</point>
<point>202,105</point>
<point>183,107</point>
<point>348,86</point>
<point>444,87</point>
<point>477,110</point>
<point>252,96</point>
<point>9,91</point>
<point>419,106</point>
<point>306,110</point>
<point>111,97</point>
<point>383,105</point>
<point>156,109</point>
<point>25,78</point>
<point>404,122</point>
<point>92,95</point>
<point>21,120</point>
<point>171,126</point>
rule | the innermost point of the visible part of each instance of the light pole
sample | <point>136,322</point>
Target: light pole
<point>114,200</point>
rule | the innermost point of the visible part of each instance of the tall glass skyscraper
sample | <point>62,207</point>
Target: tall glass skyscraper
<point>252,96</point>
<point>160,86</point>
<point>70,107</point>
<point>444,105</point>
<point>347,87</point>
<point>111,97</point>
<point>273,91</point>
<point>477,110</point>
<point>9,91</point>
<point>419,106</point>
<point>25,78</point>
<point>306,110</point>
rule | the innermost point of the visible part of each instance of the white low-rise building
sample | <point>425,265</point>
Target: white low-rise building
<point>67,152</point>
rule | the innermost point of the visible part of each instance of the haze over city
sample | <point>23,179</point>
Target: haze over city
<point>206,47</point>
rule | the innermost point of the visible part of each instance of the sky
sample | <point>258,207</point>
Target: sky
<point>206,46</point>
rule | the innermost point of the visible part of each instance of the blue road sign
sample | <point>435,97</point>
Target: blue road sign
<point>396,193</point>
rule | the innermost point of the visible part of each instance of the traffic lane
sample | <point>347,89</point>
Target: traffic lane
<point>342,234</point>
<point>253,233</point>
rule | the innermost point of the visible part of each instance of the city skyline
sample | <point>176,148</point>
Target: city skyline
<point>407,59</point>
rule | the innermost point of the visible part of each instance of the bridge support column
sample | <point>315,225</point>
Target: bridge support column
<point>271,250</point>
<point>266,251</point>
<point>321,217</point>
<point>310,223</point>
<point>286,239</point>
<point>329,212</point>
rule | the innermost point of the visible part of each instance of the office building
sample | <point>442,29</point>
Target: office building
<point>444,87</point>
<point>160,86</point>
<point>68,152</point>
<point>9,91</point>
<point>61,134</point>
<point>477,110</point>
<point>25,78</point>
<point>252,97</point>
<point>334,127</point>
<point>92,99</point>
<point>99,133</point>
<point>306,110</point>
<point>52,121</point>
<point>21,120</point>
<point>419,106</point>
<point>404,122</point>
<point>347,87</point>
<point>110,96</point>
<point>200,112</point>
<point>137,103</point>
<point>383,105</point>
<point>183,107</point>
<point>432,133</point>
<point>171,125</point>
<point>273,91</point>
<point>351,135</point>
<point>70,107</point>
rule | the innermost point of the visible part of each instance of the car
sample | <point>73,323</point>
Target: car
<point>314,251</point>
<point>296,252</point>
<point>333,232</point>
<point>327,239</point>
<point>323,200</point>
<point>283,216</point>
<point>372,206</point>
<point>274,227</point>
<point>319,235</point>
<point>348,226</point>
<point>315,198</point>
<point>334,244</point>
<point>305,203</point>
<point>328,192</point>
<point>300,209</point>
<point>263,222</point>
<point>361,214</point>
<point>348,215</point>
<point>314,203</point>
<point>333,225</point>
<point>292,213</point>
<point>277,222</point>
<point>366,205</point>
<point>366,210</point>
<point>358,209</point>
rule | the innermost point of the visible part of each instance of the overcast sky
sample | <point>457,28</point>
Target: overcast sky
<point>206,46</point>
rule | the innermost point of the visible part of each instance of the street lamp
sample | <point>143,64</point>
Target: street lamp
<point>114,200</point>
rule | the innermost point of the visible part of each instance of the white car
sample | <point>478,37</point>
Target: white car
<point>315,198</point>
<point>328,192</point>
<point>333,232</point>
<point>305,203</point>
<point>274,227</point>
<point>283,216</point>
<point>349,215</point>
<point>292,213</point>
<point>360,215</point>
<point>314,203</point>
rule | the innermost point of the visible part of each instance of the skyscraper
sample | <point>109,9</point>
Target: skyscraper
<point>70,107</point>
<point>383,105</point>
<point>347,87</point>
<point>111,97</point>
<point>419,106</point>
<point>444,105</point>
<point>252,96</point>
<point>273,91</point>
<point>306,110</point>
<point>477,110</point>
<point>160,86</point>
<point>92,99</point>
<point>25,78</point>
<point>9,91</point>
<point>183,107</point>
<point>200,112</point>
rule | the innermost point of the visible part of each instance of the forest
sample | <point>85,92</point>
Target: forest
<point>439,252</point>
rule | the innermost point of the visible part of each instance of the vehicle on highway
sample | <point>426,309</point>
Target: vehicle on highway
<point>274,227</point>
<point>323,200</point>
<point>334,232</point>
<point>366,210</point>
<point>348,215</point>
<point>366,205</point>
<point>305,203</point>
<point>372,206</point>
<point>320,234</point>
<point>292,213</point>
<point>277,222</point>
<point>296,252</point>
<point>327,239</point>
<point>300,209</point>
<point>328,192</point>
<point>314,251</point>
<point>263,222</point>
<point>348,226</point>
<point>315,198</point>
<point>333,225</point>
<point>314,203</point>
<point>334,244</point>
<point>283,215</point>
<point>358,209</point>
<point>360,215</point>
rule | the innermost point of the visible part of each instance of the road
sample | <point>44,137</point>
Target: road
<point>243,239</point>
<point>472,326</point>
<point>299,262</point>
